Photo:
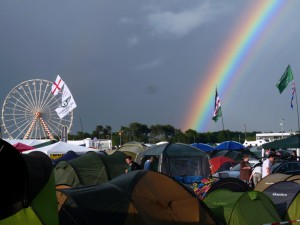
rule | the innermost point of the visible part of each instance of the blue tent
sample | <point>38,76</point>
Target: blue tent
<point>204,147</point>
<point>68,156</point>
<point>230,145</point>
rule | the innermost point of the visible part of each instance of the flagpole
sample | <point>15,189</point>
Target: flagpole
<point>297,110</point>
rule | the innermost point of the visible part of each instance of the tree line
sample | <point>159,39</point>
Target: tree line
<point>156,133</point>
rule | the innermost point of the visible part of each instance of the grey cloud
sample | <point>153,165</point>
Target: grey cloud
<point>178,24</point>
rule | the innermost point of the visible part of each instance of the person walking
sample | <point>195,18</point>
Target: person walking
<point>132,165</point>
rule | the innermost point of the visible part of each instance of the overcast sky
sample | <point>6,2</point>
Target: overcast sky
<point>141,60</point>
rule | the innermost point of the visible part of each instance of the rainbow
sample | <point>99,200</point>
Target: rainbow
<point>230,63</point>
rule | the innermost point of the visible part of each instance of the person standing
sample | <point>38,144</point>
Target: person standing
<point>245,170</point>
<point>149,164</point>
<point>256,174</point>
<point>132,165</point>
<point>266,168</point>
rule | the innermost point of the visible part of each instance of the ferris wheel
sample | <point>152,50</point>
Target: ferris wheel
<point>28,112</point>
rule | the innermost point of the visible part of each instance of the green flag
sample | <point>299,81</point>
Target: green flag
<point>285,79</point>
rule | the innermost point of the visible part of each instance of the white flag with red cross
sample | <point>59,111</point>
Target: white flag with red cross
<point>57,85</point>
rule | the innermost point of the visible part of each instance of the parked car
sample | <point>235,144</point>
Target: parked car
<point>286,167</point>
<point>235,170</point>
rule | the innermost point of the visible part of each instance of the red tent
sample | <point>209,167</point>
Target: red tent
<point>216,162</point>
<point>22,147</point>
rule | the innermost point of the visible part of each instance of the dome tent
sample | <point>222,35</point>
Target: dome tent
<point>90,168</point>
<point>286,197</point>
<point>235,208</point>
<point>177,159</point>
<point>139,197</point>
<point>26,188</point>
<point>271,179</point>
<point>133,149</point>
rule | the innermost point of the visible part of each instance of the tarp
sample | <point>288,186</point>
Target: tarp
<point>247,208</point>
<point>202,146</point>
<point>292,141</point>
<point>136,198</point>
<point>230,145</point>
<point>177,159</point>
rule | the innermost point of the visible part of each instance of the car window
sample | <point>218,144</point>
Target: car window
<point>237,167</point>
<point>296,166</point>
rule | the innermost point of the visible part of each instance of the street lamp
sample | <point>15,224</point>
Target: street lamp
<point>281,124</point>
<point>120,133</point>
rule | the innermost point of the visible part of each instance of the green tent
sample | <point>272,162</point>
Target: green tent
<point>292,141</point>
<point>136,198</point>
<point>134,149</point>
<point>247,208</point>
<point>90,168</point>
<point>27,188</point>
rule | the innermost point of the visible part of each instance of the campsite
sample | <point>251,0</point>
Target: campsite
<point>90,187</point>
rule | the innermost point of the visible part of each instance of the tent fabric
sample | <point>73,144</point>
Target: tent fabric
<point>229,145</point>
<point>22,147</point>
<point>203,147</point>
<point>89,169</point>
<point>217,162</point>
<point>26,188</point>
<point>13,188</point>
<point>68,156</point>
<point>247,208</point>
<point>235,155</point>
<point>292,141</point>
<point>271,179</point>
<point>283,194</point>
<point>30,142</point>
<point>177,159</point>
<point>229,183</point>
<point>134,149</point>
<point>61,148</point>
<point>138,197</point>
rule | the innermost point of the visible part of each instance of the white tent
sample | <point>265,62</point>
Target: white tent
<point>60,148</point>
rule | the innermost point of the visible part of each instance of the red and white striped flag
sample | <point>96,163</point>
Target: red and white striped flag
<point>57,85</point>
